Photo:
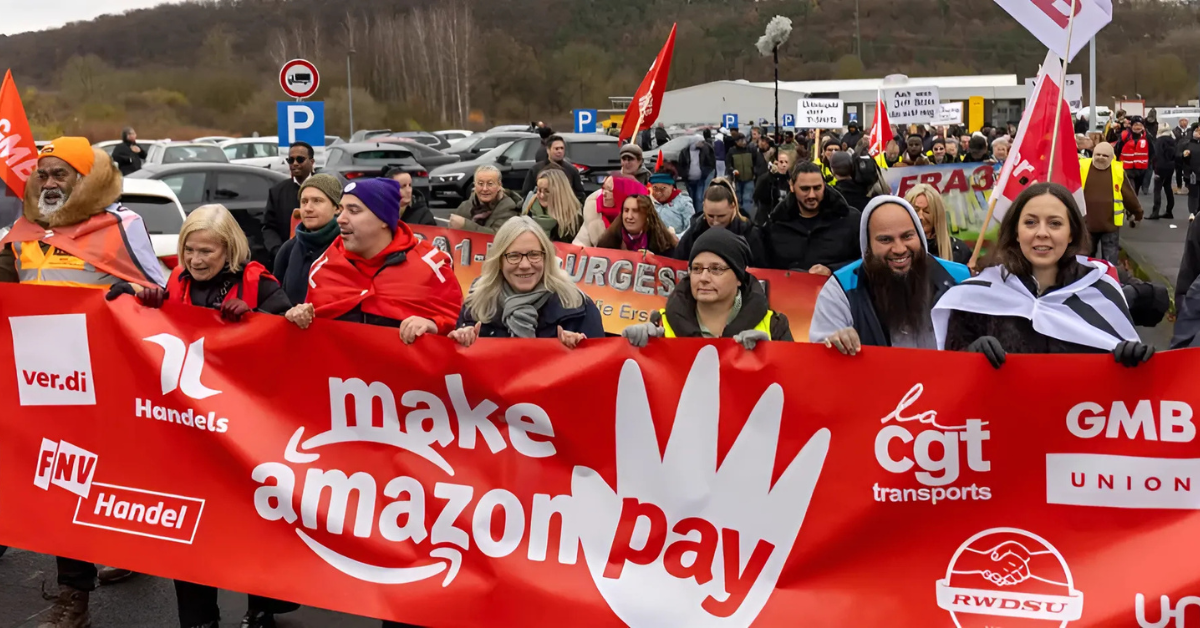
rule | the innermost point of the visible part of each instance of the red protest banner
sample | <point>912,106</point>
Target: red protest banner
<point>18,154</point>
<point>705,485</point>
<point>628,286</point>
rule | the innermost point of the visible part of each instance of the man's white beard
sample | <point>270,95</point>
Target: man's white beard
<point>46,210</point>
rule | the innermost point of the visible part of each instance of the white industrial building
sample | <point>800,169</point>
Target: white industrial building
<point>1004,98</point>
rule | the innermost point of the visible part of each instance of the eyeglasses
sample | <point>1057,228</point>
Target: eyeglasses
<point>486,185</point>
<point>534,257</point>
<point>543,191</point>
<point>715,271</point>
<point>296,160</point>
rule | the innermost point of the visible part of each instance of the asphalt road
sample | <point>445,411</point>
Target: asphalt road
<point>140,602</point>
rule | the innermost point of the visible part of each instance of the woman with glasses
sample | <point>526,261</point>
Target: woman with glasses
<point>523,292</point>
<point>718,299</point>
<point>639,229</point>
<point>489,207</point>
<point>554,206</point>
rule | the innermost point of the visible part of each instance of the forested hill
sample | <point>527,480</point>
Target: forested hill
<point>212,64</point>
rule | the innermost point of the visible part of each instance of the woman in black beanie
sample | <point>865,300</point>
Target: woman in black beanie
<point>718,299</point>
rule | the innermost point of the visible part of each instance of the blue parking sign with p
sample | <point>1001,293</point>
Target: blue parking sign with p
<point>585,120</point>
<point>301,122</point>
<point>789,120</point>
<point>729,120</point>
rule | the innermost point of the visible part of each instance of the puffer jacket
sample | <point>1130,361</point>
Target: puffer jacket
<point>830,240</point>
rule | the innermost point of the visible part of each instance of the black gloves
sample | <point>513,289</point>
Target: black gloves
<point>990,347</point>
<point>233,309</point>
<point>149,297</point>
<point>1131,353</point>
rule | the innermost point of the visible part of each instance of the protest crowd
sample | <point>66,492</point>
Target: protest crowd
<point>804,201</point>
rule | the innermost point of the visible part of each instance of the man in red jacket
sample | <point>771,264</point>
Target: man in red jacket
<point>378,273</point>
<point>1135,150</point>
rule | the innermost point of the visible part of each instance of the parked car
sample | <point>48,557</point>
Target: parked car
<point>366,134</point>
<point>428,139</point>
<point>425,155</point>
<point>481,143</point>
<point>241,189</point>
<point>454,135</point>
<point>254,151</point>
<point>508,128</point>
<point>594,155</point>
<point>455,182</point>
<point>359,160</point>
<point>184,152</point>
<point>671,151</point>
<point>161,212</point>
<point>213,139</point>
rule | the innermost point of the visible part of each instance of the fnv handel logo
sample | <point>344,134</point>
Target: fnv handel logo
<point>115,508</point>
<point>182,368</point>
<point>54,365</point>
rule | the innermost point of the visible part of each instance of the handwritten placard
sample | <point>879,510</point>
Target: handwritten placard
<point>912,104</point>
<point>949,113</point>
<point>820,113</point>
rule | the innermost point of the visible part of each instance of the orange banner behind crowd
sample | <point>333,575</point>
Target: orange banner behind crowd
<point>629,286</point>
<point>690,484</point>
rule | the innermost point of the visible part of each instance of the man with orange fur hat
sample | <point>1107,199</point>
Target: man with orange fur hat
<point>73,231</point>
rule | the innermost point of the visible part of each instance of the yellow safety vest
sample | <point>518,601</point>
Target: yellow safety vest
<point>1118,175</point>
<point>55,267</point>
<point>764,325</point>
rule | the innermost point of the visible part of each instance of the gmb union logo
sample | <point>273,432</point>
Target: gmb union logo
<point>1011,573</point>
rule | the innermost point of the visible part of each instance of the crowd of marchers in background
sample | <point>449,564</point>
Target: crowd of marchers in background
<point>732,201</point>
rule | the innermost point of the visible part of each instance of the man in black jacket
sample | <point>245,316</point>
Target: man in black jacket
<point>283,199</point>
<point>1164,167</point>
<point>128,155</point>
<point>696,164</point>
<point>813,229</point>
<point>852,136</point>
<point>556,152</point>
<point>771,188</point>
<point>856,194</point>
<point>1181,134</point>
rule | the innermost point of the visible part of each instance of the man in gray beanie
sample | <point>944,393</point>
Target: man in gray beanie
<point>718,298</point>
<point>885,298</point>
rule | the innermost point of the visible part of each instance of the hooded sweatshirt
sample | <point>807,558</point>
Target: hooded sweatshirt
<point>845,300</point>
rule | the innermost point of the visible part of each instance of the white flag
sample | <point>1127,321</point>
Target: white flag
<point>1050,20</point>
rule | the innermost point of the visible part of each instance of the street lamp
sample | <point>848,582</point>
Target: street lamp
<point>350,89</point>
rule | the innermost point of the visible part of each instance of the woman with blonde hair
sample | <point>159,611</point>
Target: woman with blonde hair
<point>554,206</point>
<point>215,270</point>
<point>932,210</point>
<point>523,292</point>
<point>639,228</point>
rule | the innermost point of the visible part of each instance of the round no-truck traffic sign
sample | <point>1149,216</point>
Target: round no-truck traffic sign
<point>299,78</point>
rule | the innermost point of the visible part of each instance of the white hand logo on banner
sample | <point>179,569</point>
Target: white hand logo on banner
<point>681,542</point>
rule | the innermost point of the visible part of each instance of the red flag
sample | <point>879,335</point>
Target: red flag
<point>18,155</point>
<point>643,111</point>
<point>881,128</point>
<point>1029,160</point>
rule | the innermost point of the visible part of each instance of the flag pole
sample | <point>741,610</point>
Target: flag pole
<point>1062,93</point>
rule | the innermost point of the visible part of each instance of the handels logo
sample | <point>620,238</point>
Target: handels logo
<point>1006,572</point>
<point>182,366</point>
<point>54,364</point>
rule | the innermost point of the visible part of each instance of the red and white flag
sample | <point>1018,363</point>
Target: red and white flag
<point>1029,159</point>
<point>643,111</point>
<point>881,128</point>
<point>18,155</point>
<point>1051,21</point>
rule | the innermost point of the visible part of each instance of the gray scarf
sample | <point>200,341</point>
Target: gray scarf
<point>519,310</point>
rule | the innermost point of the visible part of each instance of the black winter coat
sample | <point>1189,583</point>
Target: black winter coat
<point>418,212</point>
<point>744,228</point>
<point>959,251</point>
<point>128,162</point>
<point>1164,156</point>
<point>681,313</point>
<point>769,191</point>
<point>211,294</point>
<point>584,319</point>
<point>708,161</point>
<point>282,200</point>
<point>568,168</point>
<point>856,194</point>
<point>1191,163</point>
<point>294,260</point>
<point>829,239</point>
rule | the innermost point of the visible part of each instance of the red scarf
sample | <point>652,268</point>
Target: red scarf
<point>421,284</point>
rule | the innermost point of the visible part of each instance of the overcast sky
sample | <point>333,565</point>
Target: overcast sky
<point>19,16</point>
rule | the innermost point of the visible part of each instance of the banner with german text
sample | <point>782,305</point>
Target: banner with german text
<point>518,483</point>
<point>628,286</point>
